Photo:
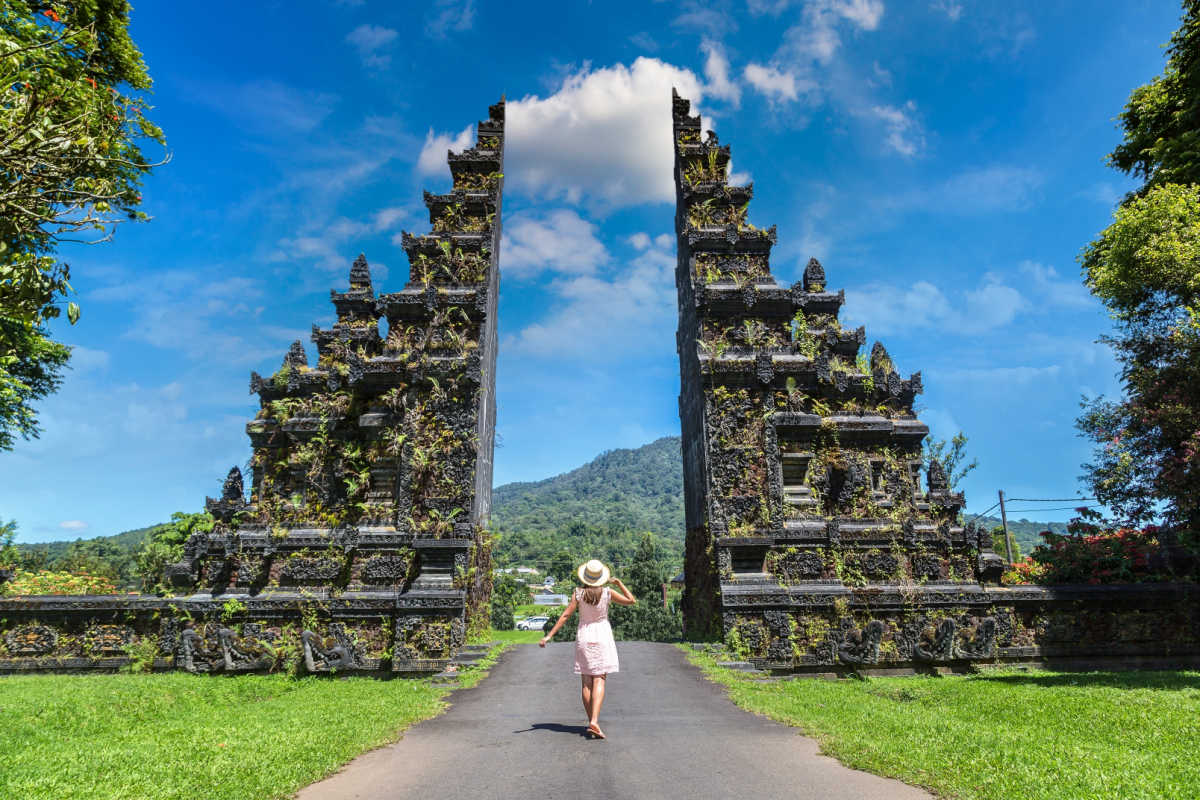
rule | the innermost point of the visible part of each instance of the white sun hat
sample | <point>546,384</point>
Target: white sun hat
<point>593,573</point>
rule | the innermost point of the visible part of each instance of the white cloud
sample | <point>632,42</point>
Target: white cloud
<point>613,318</point>
<point>85,359</point>
<point>576,143</point>
<point>904,133</point>
<point>369,40</point>
<point>716,70</point>
<point>772,7</point>
<point>976,190</point>
<point>560,241</point>
<point>268,106</point>
<point>997,376</point>
<point>640,241</point>
<point>770,82</point>
<point>703,17</point>
<point>864,14</point>
<point>190,311</point>
<point>816,38</point>
<point>386,218</point>
<point>1049,290</point>
<point>73,525</point>
<point>951,8</point>
<point>644,41</point>
<point>887,309</point>
<point>447,16</point>
<point>1105,193</point>
<point>432,160</point>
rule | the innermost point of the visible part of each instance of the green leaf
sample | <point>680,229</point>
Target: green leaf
<point>73,312</point>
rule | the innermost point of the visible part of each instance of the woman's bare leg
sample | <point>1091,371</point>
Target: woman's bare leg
<point>586,690</point>
<point>597,701</point>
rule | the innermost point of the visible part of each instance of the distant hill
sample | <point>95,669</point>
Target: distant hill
<point>1026,534</point>
<point>600,508</point>
<point>638,489</point>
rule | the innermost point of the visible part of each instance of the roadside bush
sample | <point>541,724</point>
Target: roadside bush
<point>29,583</point>
<point>502,618</point>
<point>569,628</point>
<point>1095,555</point>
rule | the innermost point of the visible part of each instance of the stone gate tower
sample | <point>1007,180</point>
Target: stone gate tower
<point>371,476</point>
<point>805,507</point>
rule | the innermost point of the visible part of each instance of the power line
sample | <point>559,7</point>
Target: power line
<point>977,516</point>
<point>1047,500</point>
<point>1056,508</point>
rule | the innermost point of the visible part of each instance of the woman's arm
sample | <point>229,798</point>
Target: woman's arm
<point>624,597</point>
<point>562,618</point>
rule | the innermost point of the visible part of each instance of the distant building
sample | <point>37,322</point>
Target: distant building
<point>549,599</point>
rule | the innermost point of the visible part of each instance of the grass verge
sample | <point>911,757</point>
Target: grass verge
<point>517,637</point>
<point>175,735</point>
<point>998,735</point>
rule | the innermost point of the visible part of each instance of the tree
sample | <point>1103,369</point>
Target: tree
<point>71,120</point>
<point>951,455</point>
<point>1144,268</point>
<point>562,567</point>
<point>164,546</point>
<point>9,557</point>
<point>647,620</point>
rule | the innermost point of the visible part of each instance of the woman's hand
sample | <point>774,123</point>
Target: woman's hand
<point>542,643</point>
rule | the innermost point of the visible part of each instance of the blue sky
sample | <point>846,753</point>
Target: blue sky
<point>943,158</point>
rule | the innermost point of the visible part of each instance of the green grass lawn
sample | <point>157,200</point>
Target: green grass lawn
<point>1006,735</point>
<point>517,637</point>
<point>175,735</point>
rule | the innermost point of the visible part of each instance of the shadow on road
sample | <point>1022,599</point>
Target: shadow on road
<point>578,730</point>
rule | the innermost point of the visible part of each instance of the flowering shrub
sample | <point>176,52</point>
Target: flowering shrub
<point>1092,554</point>
<point>26,583</point>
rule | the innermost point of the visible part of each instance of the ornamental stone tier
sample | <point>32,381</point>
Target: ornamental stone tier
<point>816,539</point>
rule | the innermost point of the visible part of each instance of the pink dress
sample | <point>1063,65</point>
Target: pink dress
<point>595,650</point>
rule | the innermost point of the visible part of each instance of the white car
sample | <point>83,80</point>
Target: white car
<point>532,623</point>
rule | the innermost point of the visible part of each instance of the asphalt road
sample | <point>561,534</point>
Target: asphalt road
<point>671,734</point>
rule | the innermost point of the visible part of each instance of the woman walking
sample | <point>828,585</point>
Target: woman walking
<point>595,650</point>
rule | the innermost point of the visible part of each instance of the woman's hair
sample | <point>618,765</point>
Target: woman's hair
<point>592,594</point>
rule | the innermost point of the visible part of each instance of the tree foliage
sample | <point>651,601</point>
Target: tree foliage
<point>72,119</point>
<point>951,455</point>
<point>1145,267</point>
<point>164,546</point>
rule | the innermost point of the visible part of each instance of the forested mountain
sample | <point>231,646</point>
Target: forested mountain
<point>599,510</point>
<point>1026,534</point>
<point>602,507</point>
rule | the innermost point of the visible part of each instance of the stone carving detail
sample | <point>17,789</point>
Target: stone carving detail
<point>927,566</point>
<point>107,640</point>
<point>880,565</point>
<point>168,637</point>
<point>385,569</point>
<point>31,640</point>
<point>861,646</point>
<point>800,565</point>
<point>327,654</point>
<point>982,644</point>
<point>942,648</point>
<point>311,569</point>
<point>200,648</point>
<point>232,498</point>
<point>252,650</point>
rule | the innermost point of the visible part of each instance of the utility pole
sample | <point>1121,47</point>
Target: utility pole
<point>1004,522</point>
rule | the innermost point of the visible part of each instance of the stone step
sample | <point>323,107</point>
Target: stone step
<point>740,666</point>
<point>468,658</point>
